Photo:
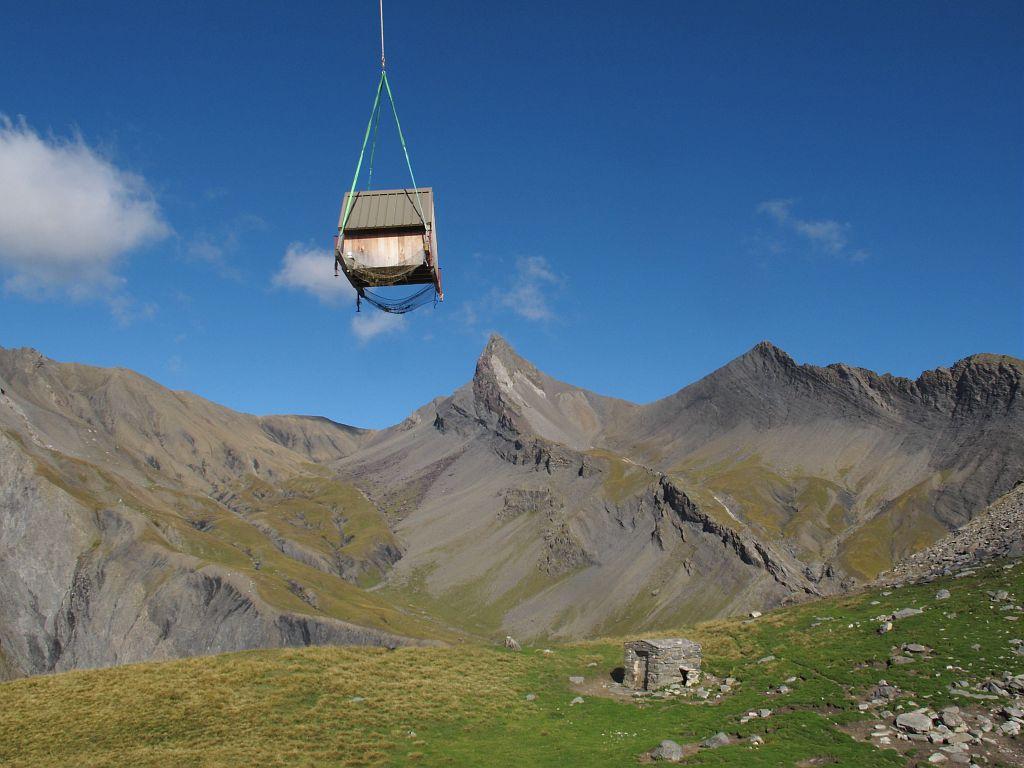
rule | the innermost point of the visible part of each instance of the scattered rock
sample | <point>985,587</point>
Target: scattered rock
<point>906,613</point>
<point>713,742</point>
<point>915,648</point>
<point>1010,728</point>
<point>511,644</point>
<point>942,594</point>
<point>951,719</point>
<point>755,614</point>
<point>531,697</point>
<point>576,679</point>
<point>914,722</point>
<point>668,750</point>
<point>577,700</point>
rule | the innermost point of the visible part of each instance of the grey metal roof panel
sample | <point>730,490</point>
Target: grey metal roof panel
<point>388,209</point>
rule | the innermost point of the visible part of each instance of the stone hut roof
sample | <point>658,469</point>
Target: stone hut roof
<point>668,644</point>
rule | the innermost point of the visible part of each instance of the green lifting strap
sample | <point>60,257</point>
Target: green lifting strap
<point>401,138</point>
<point>382,85</point>
<point>359,165</point>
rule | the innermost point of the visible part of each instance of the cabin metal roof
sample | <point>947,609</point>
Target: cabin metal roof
<point>388,209</point>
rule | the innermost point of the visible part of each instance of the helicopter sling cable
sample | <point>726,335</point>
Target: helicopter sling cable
<point>388,237</point>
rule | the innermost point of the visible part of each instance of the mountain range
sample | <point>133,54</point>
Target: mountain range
<point>141,523</point>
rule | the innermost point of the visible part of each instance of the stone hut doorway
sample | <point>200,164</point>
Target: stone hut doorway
<point>640,669</point>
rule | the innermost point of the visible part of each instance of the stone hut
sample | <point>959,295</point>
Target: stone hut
<point>653,664</point>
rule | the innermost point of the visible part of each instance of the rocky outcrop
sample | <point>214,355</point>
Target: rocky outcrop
<point>998,532</point>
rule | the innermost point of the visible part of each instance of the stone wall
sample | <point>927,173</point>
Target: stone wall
<point>653,664</point>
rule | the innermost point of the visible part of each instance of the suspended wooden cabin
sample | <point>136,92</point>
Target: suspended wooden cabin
<point>388,237</point>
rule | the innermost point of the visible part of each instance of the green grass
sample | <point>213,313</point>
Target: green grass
<point>904,526</point>
<point>464,705</point>
<point>621,480</point>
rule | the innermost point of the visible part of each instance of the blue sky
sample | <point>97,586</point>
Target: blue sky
<point>633,194</point>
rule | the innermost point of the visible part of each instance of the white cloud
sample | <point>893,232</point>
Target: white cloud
<point>220,248</point>
<point>312,270</point>
<point>777,209</point>
<point>67,214</point>
<point>205,249</point>
<point>367,325</point>
<point>829,235</point>
<point>127,310</point>
<point>527,296</point>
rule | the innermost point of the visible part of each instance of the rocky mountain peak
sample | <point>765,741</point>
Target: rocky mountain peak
<point>764,353</point>
<point>500,383</point>
<point>499,356</point>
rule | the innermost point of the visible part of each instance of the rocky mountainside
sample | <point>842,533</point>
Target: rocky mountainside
<point>531,506</point>
<point>998,532</point>
<point>852,468</point>
<point>136,522</point>
<point>140,523</point>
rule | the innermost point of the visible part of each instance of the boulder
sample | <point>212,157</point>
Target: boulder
<point>668,750</point>
<point>713,742</point>
<point>914,722</point>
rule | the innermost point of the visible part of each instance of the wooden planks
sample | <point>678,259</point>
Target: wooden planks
<point>385,250</point>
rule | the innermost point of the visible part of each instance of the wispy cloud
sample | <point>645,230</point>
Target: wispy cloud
<point>529,294</point>
<point>127,311</point>
<point>219,247</point>
<point>369,324</point>
<point>67,215</point>
<point>828,235</point>
<point>311,269</point>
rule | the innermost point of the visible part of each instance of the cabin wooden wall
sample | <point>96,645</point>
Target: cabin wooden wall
<point>385,250</point>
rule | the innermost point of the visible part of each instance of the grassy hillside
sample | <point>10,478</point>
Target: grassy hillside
<point>466,705</point>
<point>317,515</point>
